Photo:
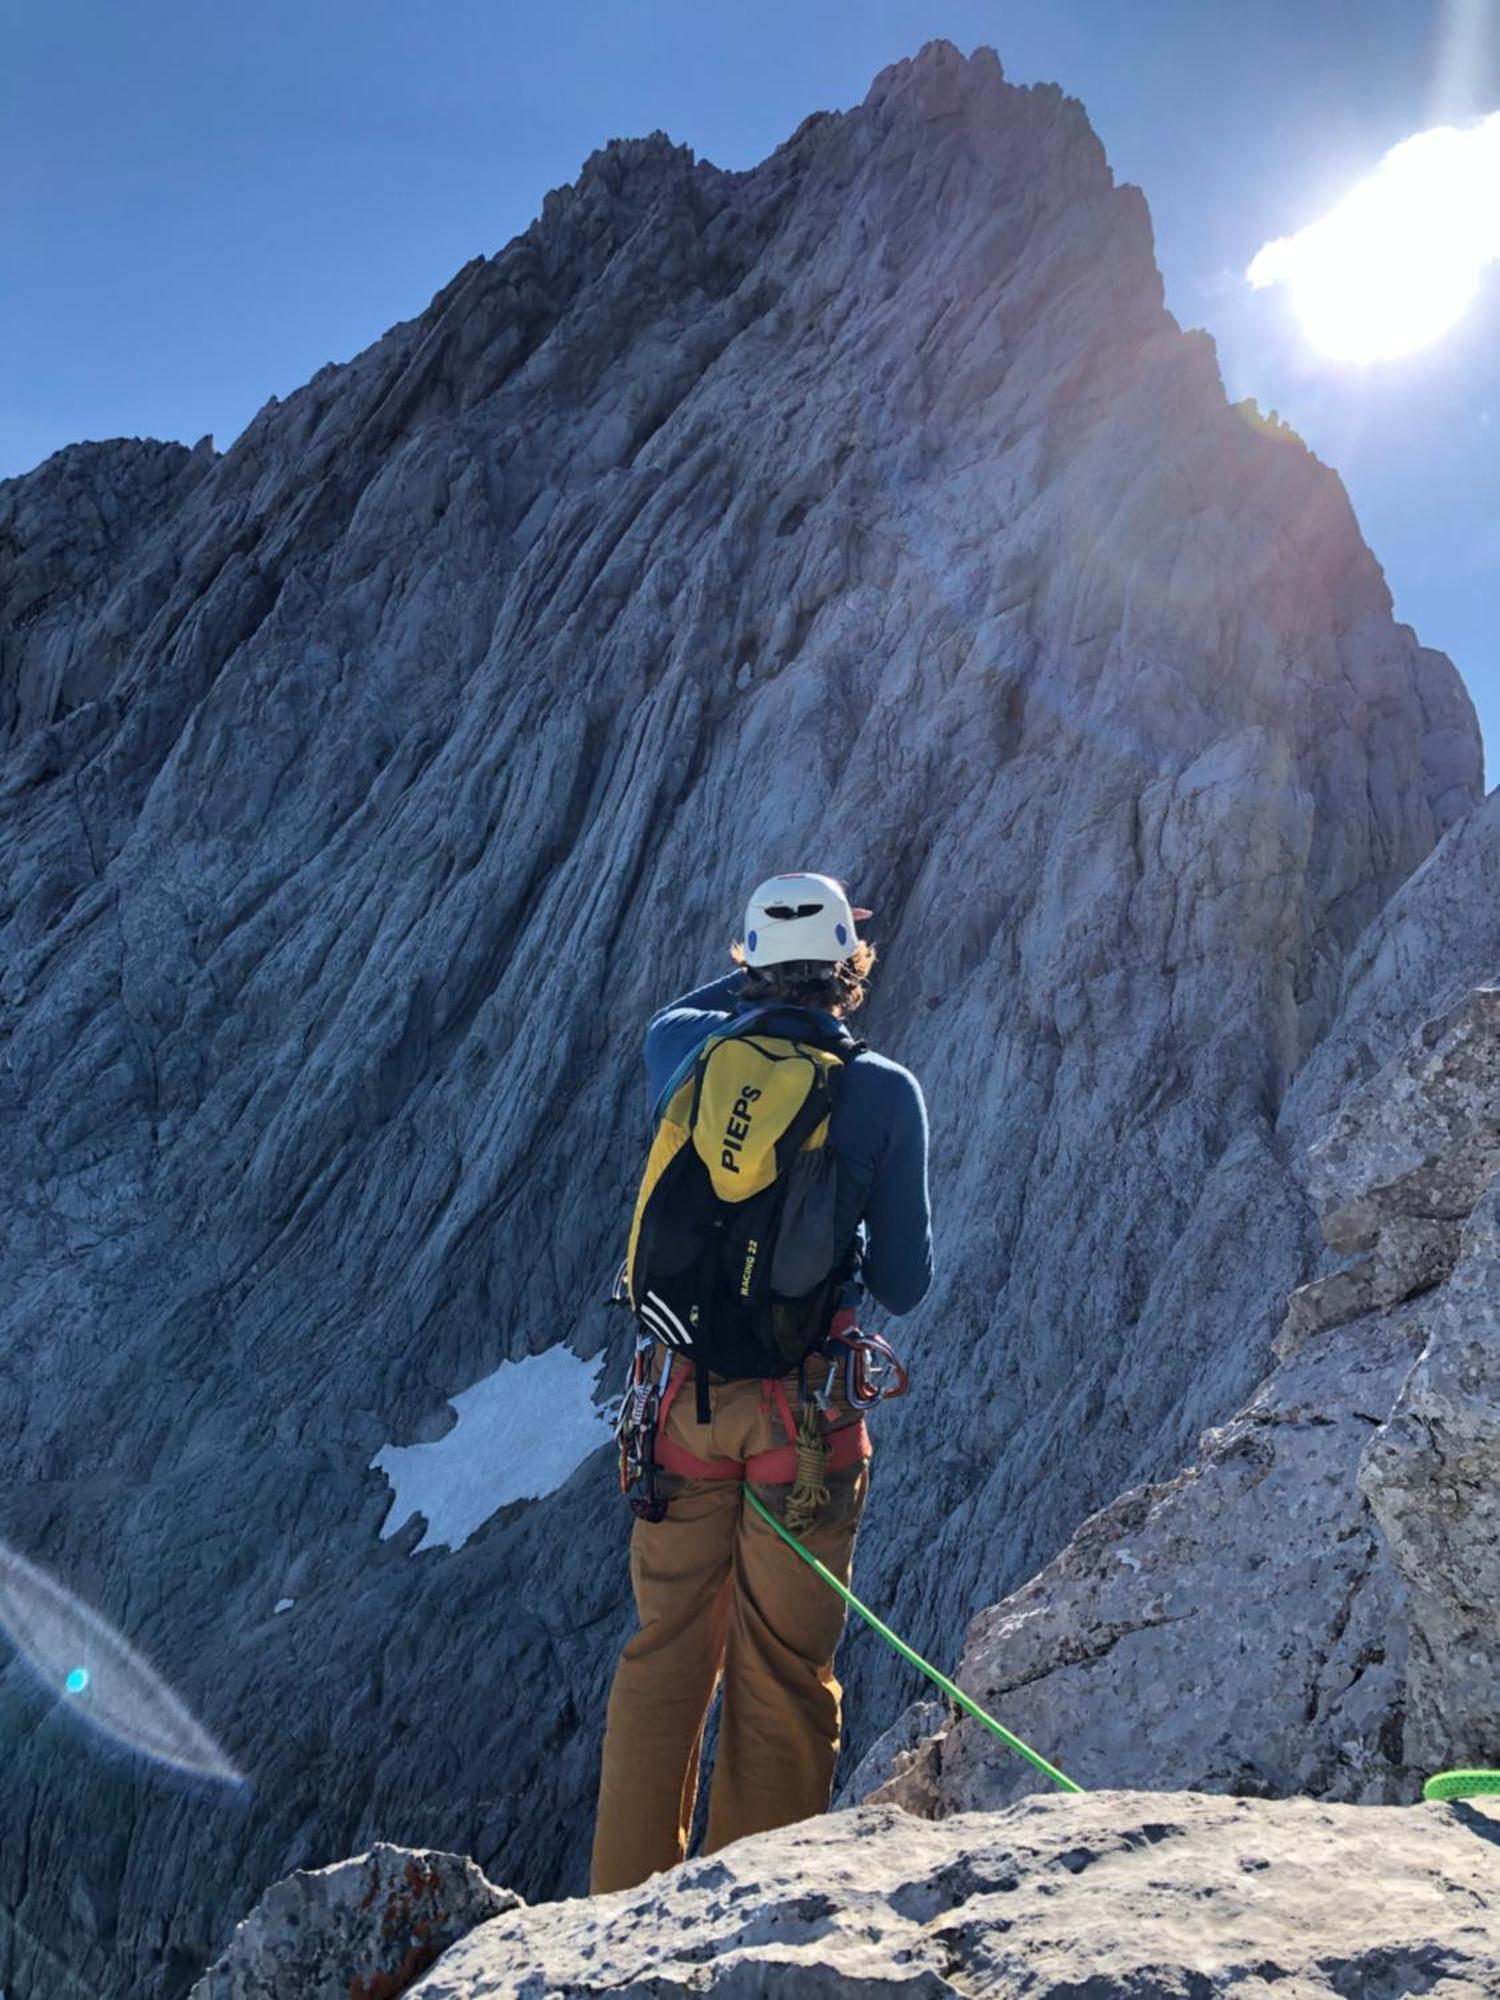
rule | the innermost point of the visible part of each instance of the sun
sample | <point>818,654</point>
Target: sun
<point>1399,260</point>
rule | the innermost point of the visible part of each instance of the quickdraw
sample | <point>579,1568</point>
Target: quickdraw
<point>635,1434</point>
<point>638,1417</point>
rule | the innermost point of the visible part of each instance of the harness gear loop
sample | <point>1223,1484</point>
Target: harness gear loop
<point>816,1445</point>
<point>847,1446</point>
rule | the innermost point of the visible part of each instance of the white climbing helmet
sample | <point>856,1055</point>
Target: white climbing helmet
<point>800,917</point>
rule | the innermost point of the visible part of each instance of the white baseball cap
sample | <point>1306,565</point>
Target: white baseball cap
<point>800,917</point>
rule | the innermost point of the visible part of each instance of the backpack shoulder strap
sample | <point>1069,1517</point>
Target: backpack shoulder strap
<point>844,1046</point>
<point>839,1040</point>
<point>737,1024</point>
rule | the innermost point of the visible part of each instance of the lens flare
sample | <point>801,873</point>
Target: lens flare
<point>126,1698</point>
<point>1398,262</point>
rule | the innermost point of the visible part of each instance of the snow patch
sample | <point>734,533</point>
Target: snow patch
<point>521,1433</point>
<point>285,1603</point>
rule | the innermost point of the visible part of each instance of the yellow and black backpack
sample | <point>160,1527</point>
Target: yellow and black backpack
<point>733,1260</point>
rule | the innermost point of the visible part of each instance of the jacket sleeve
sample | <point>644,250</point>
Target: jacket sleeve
<point>897,1262</point>
<point>717,997</point>
<point>675,1031</point>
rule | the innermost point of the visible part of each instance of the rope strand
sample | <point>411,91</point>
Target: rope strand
<point>809,1492</point>
<point>950,1688</point>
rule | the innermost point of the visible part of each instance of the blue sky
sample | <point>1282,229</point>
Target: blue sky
<point>204,204</point>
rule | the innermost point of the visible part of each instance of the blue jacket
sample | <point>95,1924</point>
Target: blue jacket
<point>878,1131</point>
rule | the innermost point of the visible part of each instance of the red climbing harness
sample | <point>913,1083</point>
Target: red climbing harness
<point>847,1444</point>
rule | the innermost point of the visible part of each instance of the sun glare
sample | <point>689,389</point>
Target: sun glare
<point>1398,261</point>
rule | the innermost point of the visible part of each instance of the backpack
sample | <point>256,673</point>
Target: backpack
<point>733,1260</point>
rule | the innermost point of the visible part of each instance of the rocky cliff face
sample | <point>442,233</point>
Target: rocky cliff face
<point>365,785</point>
<point>1119,1896</point>
<point>1308,1607</point>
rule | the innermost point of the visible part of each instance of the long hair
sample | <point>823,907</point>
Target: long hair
<point>806,982</point>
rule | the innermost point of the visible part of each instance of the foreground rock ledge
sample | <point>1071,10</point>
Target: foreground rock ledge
<point>363,1929</point>
<point>1146,1895</point>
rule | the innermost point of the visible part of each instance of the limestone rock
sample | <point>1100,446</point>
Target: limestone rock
<point>1117,1895</point>
<point>1238,1628</point>
<point>1411,1253</point>
<point>363,1929</point>
<point>913,1730</point>
<point>1244,1627</point>
<point>1407,1157</point>
<point>1417,1149</point>
<point>1422,1138</point>
<point>78,578</point>
<point>1432,1475</point>
<point>1435,942</point>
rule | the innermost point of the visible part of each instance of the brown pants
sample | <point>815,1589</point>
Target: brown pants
<point>719,1594</point>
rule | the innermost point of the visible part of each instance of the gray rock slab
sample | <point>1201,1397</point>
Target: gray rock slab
<point>1406,1157</point>
<point>1246,1626</point>
<point>1411,1254</point>
<point>1436,941</point>
<point>914,1726</point>
<point>363,1929</point>
<point>1432,1475</point>
<point>1422,1137</point>
<point>1239,1628</point>
<point>1117,1896</point>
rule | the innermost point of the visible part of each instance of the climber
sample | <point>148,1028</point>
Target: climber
<point>756,1083</point>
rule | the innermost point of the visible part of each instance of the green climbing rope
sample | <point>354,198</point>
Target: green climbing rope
<point>953,1692</point>
<point>1462,1785</point>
